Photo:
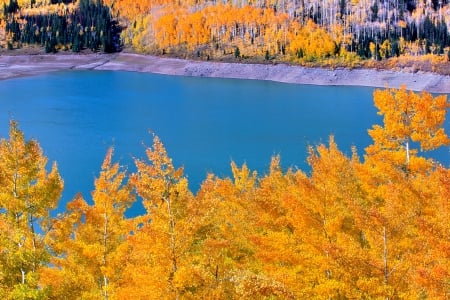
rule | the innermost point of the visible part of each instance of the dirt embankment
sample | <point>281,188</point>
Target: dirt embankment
<point>27,65</point>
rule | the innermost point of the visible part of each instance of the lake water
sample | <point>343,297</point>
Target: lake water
<point>204,123</point>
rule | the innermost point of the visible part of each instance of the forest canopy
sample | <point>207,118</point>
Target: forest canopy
<point>351,227</point>
<point>62,26</point>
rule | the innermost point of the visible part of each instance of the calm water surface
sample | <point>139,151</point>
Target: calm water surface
<point>204,123</point>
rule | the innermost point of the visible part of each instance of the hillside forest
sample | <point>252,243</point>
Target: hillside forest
<point>371,227</point>
<point>338,32</point>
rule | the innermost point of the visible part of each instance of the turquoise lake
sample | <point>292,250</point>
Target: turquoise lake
<point>203,122</point>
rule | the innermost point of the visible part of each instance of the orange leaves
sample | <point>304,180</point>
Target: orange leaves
<point>215,30</point>
<point>254,286</point>
<point>165,30</point>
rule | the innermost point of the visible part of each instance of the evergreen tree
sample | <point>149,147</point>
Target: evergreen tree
<point>237,52</point>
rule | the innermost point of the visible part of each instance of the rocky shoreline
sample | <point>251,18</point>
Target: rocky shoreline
<point>29,65</point>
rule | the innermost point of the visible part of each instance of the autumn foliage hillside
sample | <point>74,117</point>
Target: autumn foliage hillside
<point>311,32</point>
<point>375,227</point>
<point>299,31</point>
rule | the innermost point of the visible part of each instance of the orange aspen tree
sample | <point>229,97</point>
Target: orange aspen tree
<point>27,194</point>
<point>226,229</point>
<point>327,223</point>
<point>430,277</point>
<point>389,219</point>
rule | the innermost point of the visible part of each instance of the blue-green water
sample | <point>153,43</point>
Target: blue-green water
<point>204,123</point>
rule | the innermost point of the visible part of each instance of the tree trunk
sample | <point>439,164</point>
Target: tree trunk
<point>22,271</point>
<point>407,152</point>
<point>172,234</point>
<point>385,259</point>
<point>105,252</point>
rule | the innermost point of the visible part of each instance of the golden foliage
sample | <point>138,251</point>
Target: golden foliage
<point>27,194</point>
<point>347,229</point>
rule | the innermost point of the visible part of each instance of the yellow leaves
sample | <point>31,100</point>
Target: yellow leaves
<point>345,229</point>
<point>370,287</point>
<point>89,237</point>
<point>409,116</point>
<point>27,193</point>
<point>381,140</point>
<point>328,289</point>
<point>254,286</point>
<point>160,185</point>
<point>386,49</point>
<point>192,280</point>
<point>213,30</point>
<point>243,181</point>
<point>312,42</point>
<point>165,194</point>
<point>23,172</point>
<point>419,165</point>
<point>429,118</point>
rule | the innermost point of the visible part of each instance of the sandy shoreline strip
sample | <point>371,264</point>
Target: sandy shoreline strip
<point>28,65</point>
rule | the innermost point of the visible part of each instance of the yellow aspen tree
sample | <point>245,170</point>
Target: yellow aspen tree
<point>165,229</point>
<point>277,248</point>
<point>90,240</point>
<point>311,42</point>
<point>27,194</point>
<point>327,223</point>
<point>226,228</point>
<point>393,210</point>
<point>408,117</point>
<point>165,30</point>
<point>220,228</point>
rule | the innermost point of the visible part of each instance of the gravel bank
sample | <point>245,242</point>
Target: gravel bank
<point>17,66</point>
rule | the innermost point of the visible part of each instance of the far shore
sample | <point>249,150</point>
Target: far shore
<point>29,65</point>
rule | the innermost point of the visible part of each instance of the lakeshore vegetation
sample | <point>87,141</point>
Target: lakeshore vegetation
<point>375,227</point>
<point>330,32</point>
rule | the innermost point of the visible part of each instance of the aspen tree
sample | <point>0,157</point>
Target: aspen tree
<point>27,194</point>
